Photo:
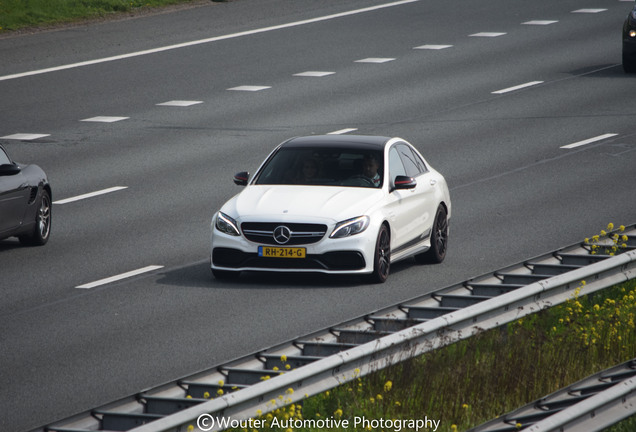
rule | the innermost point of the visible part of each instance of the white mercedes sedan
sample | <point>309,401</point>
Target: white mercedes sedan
<point>337,204</point>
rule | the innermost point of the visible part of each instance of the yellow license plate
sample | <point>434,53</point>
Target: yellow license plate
<point>281,252</point>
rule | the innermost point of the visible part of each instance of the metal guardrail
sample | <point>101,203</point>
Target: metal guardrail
<point>287,373</point>
<point>591,404</point>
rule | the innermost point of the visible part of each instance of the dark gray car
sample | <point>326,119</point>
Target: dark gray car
<point>25,202</point>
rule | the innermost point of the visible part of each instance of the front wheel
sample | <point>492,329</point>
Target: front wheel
<point>439,240</point>
<point>629,63</point>
<point>382,256</point>
<point>42,229</point>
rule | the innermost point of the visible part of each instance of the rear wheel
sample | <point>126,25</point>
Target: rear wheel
<point>382,256</point>
<point>439,240</point>
<point>42,229</point>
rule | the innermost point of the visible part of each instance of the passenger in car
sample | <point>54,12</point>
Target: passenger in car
<point>308,172</point>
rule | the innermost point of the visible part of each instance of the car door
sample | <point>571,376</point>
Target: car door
<point>402,207</point>
<point>424,193</point>
<point>14,194</point>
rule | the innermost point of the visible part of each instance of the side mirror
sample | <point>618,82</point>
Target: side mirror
<point>404,182</point>
<point>9,169</point>
<point>241,178</point>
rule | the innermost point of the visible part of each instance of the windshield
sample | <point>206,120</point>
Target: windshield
<point>323,166</point>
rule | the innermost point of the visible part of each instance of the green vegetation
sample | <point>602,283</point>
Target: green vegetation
<point>19,14</point>
<point>491,374</point>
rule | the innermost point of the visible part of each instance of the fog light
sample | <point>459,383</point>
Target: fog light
<point>632,33</point>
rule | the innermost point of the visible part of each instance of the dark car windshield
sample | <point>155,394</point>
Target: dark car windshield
<point>323,166</point>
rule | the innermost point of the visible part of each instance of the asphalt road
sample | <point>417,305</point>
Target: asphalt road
<point>490,93</point>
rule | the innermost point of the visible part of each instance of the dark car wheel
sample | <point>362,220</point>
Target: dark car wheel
<point>382,256</point>
<point>42,229</point>
<point>439,240</point>
<point>629,63</point>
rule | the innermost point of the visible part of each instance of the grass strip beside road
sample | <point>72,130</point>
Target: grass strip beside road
<point>480,378</point>
<point>22,14</point>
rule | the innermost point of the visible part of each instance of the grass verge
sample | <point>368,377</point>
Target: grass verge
<point>20,14</point>
<point>477,379</point>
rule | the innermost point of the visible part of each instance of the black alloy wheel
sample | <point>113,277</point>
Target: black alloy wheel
<point>439,240</point>
<point>382,256</point>
<point>42,228</point>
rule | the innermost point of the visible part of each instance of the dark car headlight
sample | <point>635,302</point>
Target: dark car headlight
<point>226,224</point>
<point>350,227</point>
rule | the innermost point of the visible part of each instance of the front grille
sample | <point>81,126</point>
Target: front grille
<point>301,233</point>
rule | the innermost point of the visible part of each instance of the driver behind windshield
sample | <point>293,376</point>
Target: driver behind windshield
<point>370,168</point>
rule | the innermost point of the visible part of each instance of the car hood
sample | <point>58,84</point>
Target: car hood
<point>283,203</point>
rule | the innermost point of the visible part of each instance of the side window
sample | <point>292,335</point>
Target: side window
<point>4,159</point>
<point>412,162</point>
<point>420,162</point>
<point>396,167</point>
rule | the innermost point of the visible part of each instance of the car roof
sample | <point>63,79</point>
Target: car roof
<point>362,142</point>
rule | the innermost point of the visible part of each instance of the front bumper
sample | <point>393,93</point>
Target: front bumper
<point>348,255</point>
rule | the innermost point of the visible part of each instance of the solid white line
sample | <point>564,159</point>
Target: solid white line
<point>589,141</point>
<point>520,86</point>
<point>90,195</point>
<point>342,131</point>
<point>119,277</point>
<point>204,41</point>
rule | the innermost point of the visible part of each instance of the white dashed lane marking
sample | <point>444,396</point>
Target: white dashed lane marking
<point>249,88</point>
<point>317,74</point>
<point>589,141</point>
<point>589,11</point>
<point>375,60</point>
<point>342,131</point>
<point>540,22</point>
<point>25,136</point>
<point>105,119</point>
<point>119,277</point>
<point>487,34</point>
<point>518,87</point>
<point>432,47</point>
<point>180,103</point>
<point>90,195</point>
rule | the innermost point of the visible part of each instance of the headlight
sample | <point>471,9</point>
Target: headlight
<point>350,227</point>
<point>226,225</point>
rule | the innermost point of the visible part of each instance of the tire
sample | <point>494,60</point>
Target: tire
<point>629,63</point>
<point>439,240</point>
<point>381,256</point>
<point>42,229</point>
